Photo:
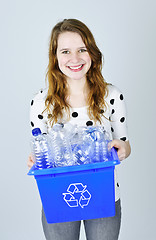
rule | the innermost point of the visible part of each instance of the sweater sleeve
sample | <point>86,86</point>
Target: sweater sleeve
<point>37,116</point>
<point>118,117</point>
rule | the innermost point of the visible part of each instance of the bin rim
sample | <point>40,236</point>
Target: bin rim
<point>76,168</point>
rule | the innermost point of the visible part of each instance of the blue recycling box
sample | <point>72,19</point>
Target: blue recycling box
<point>77,192</point>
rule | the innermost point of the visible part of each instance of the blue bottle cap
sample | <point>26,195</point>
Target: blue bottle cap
<point>36,131</point>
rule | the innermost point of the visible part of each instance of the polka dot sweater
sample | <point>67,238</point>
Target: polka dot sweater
<point>114,121</point>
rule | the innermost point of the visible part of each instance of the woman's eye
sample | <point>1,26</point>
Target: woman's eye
<point>83,50</point>
<point>65,52</point>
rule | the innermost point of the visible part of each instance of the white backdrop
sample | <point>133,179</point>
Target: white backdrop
<point>125,33</point>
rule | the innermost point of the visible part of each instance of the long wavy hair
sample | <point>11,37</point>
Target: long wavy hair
<point>57,86</point>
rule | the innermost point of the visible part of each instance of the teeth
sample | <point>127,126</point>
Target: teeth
<point>74,68</point>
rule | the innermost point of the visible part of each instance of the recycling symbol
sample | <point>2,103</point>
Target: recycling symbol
<point>77,195</point>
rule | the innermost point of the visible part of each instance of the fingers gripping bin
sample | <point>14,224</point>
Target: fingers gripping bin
<point>77,192</point>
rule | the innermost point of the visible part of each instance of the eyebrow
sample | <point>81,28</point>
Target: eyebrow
<point>65,49</point>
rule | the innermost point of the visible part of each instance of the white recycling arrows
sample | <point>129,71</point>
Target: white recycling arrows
<point>77,195</point>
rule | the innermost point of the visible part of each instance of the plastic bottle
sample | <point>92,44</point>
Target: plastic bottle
<point>67,150</point>
<point>61,146</point>
<point>83,151</point>
<point>101,145</point>
<point>41,150</point>
<point>56,145</point>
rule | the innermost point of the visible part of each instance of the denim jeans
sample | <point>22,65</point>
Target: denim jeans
<point>95,229</point>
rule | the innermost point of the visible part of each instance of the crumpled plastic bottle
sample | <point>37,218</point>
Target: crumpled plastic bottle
<point>101,140</point>
<point>83,150</point>
<point>60,146</point>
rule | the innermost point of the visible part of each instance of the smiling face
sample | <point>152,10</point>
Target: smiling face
<point>73,58</point>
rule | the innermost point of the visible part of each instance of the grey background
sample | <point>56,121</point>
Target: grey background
<point>125,33</point>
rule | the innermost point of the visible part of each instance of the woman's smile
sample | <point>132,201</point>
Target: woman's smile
<point>76,68</point>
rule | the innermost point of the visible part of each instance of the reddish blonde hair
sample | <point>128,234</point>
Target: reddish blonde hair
<point>57,89</point>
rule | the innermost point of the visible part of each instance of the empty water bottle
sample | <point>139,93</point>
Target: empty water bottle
<point>101,145</point>
<point>83,150</point>
<point>41,150</point>
<point>56,144</point>
<point>61,147</point>
<point>67,151</point>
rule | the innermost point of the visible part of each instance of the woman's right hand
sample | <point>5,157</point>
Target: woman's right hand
<point>30,161</point>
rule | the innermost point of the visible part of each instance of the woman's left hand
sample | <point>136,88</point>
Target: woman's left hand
<point>123,148</point>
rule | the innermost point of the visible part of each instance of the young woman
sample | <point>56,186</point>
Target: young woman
<point>77,93</point>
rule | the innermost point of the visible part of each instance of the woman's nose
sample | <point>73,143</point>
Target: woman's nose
<point>75,57</point>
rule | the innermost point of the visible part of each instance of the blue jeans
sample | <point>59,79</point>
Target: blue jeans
<point>95,229</point>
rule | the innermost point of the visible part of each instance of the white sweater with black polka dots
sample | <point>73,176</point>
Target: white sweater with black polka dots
<point>116,113</point>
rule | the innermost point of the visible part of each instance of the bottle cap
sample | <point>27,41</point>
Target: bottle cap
<point>36,131</point>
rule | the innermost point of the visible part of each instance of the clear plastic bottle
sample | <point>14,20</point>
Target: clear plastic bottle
<point>67,150</point>
<point>83,150</point>
<point>56,145</point>
<point>41,150</point>
<point>101,145</point>
<point>61,146</point>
